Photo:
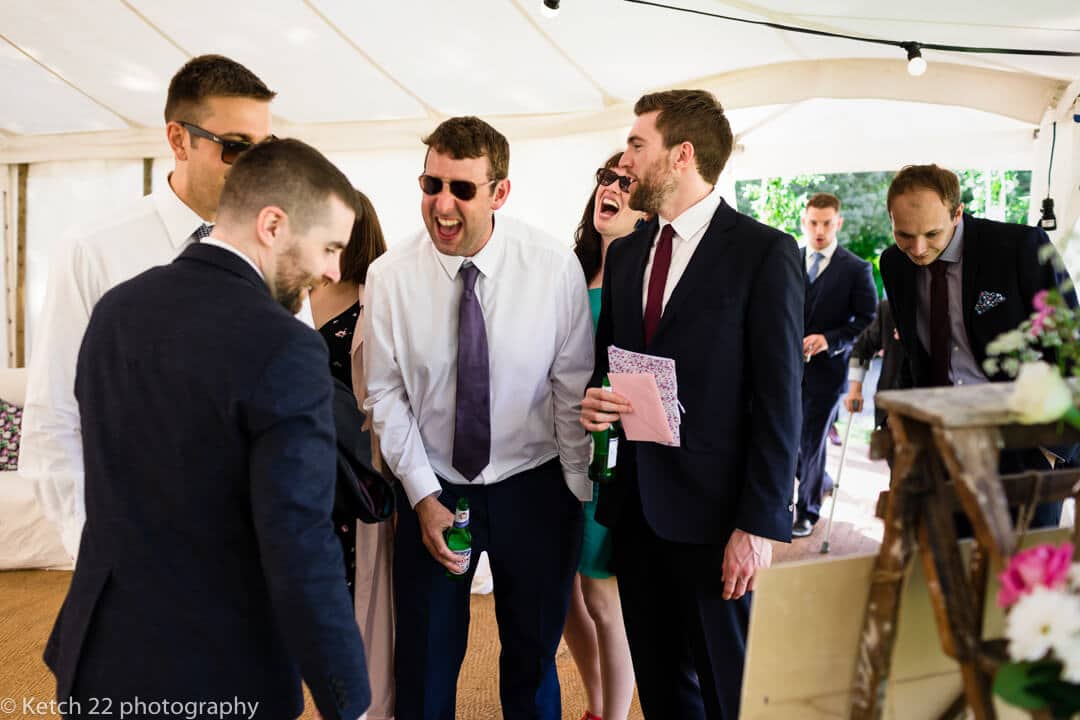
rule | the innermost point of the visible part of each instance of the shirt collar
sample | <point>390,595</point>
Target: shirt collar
<point>487,260</point>
<point>828,251</point>
<point>695,217</point>
<point>179,219</point>
<point>226,246</point>
<point>955,251</point>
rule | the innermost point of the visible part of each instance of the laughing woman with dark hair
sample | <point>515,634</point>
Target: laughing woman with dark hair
<point>337,309</point>
<point>594,626</point>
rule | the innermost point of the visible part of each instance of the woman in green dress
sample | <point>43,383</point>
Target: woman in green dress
<point>594,625</point>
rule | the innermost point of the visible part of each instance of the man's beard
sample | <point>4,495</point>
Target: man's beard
<point>290,298</point>
<point>289,282</point>
<point>652,189</point>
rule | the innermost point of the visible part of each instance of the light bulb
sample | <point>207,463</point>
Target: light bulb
<point>550,9</point>
<point>916,66</point>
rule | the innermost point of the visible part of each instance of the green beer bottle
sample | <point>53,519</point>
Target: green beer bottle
<point>605,449</point>
<point>459,539</point>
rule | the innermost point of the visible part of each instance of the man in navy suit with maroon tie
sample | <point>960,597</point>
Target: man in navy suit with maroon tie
<point>722,295</point>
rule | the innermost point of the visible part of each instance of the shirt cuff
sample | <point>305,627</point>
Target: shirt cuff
<point>856,373</point>
<point>419,486</point>
<point>579,484</point>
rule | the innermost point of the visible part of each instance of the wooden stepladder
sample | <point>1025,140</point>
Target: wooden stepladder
<point>944,445</point>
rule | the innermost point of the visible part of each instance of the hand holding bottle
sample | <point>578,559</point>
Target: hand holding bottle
<point>600,407</point>
<point>434,520</point>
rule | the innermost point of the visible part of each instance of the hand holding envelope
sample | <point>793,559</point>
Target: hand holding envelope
<point>661,387</point>
<point>648,422</point>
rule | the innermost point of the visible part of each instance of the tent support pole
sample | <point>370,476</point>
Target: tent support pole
<point>15,267</point>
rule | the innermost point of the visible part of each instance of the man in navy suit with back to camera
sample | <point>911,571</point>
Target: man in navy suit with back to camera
<point>840,303</point>
<point>208,570</point>
<point>722,295</point>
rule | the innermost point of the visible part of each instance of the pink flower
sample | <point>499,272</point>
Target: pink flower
<point>1039,301</point>
<point>1042,566</point>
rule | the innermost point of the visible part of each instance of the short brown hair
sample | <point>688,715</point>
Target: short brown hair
<point>209,76</point>
<point>289,174</point>
<point>470,137</point>
<point>823,200</point>
<point>696,117</point>
<point>365,243</point>
<point>926,177</point>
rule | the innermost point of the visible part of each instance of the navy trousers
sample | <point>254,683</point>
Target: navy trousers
<point>687,643</point>
<point>819,413</point>
<point>530,525</point>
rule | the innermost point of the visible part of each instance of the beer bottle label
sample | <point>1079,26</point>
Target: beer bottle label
<point>461,518</point>
<point>464,558</point>
<point>612,451</point>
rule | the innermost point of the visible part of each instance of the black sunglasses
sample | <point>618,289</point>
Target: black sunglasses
<point>230,149</point>
<point>461,189</point>
<point>606,176</point>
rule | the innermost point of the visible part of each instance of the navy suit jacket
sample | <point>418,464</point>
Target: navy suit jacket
<point>1000,260</point>
<point>839,305</point>
<point>208,568</point>
<point>734,326</point>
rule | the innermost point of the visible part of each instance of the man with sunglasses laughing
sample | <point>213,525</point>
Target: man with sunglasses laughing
<point>215,109</point>
<point>478,346</point>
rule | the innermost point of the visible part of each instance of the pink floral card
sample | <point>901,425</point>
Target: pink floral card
<point>663,371</point>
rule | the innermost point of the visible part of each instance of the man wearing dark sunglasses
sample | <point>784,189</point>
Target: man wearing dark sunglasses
<point>214,109</point>
<point>477,336</point>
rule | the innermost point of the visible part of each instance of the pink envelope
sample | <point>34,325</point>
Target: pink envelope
<point>648,422</point>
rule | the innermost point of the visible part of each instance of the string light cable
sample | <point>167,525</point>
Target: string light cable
<point>916,63</point>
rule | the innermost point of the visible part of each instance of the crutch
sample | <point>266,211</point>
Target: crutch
<point>836,480</point>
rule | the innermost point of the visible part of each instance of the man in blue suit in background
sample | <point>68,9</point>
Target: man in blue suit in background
<point>208,570</point>
<point>840,302</point>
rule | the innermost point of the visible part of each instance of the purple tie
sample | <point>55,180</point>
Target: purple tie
<point>472,417</point>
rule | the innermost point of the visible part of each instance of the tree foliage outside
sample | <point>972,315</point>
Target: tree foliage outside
<point>779,202</point>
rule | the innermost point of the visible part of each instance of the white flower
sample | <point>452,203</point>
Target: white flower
<point>1069,655</point>
<point>1007,342</point>
<point>1040,395</point>
<point>1040,620</point>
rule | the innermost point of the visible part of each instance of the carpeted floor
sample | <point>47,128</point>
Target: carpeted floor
<point>29,601</point>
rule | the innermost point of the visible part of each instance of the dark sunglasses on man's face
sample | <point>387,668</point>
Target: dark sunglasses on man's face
<point>461,189</point>
<point>606,176</point>
<point>230,149</point>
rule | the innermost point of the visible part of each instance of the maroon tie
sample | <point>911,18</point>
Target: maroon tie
<point>657,280</point>
<point>940,327</point>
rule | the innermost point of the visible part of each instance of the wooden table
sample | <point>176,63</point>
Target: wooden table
<point>944,445</point>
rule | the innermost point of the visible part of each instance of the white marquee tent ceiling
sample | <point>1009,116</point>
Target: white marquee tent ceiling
<point>362,75</point>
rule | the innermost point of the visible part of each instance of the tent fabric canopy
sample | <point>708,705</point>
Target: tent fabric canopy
<point>84,85</point>
<point>366,75</point>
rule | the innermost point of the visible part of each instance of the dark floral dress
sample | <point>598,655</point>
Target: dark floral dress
<point>338,334</point>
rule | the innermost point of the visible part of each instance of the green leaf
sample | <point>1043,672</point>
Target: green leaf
<point>1017,683</point>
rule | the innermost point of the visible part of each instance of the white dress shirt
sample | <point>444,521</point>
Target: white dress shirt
<point>828,251</point>
<point>151,231</point>
<point>540,343</point>
<point>690,227</point>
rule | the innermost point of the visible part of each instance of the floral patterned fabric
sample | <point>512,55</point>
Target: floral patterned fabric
<point>10,432</point>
